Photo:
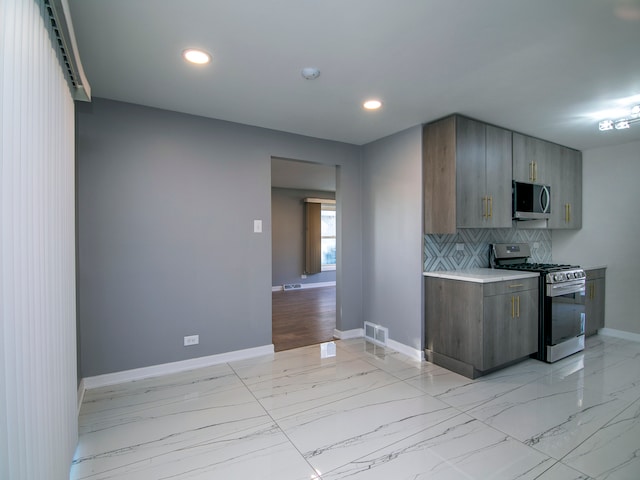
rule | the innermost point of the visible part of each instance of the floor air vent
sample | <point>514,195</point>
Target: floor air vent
<point>291,286</point>
<point>375,333</point>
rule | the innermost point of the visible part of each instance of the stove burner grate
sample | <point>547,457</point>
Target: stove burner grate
<point>536,267</point>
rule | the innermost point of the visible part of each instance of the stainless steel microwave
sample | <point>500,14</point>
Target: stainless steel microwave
<point>531,201</point>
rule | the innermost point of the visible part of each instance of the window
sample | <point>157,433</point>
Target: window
<point>320,235</point>
<point>328,236</point>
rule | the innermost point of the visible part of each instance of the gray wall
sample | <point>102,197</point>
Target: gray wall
<point>610,229</point>
<point>166,248</point>
<point>287,221</point>
<point>392,232</point>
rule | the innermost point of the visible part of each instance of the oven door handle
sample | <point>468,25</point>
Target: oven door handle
<point>557,290</point>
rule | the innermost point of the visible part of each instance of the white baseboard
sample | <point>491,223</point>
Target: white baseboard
<point>610,332</point>
<point>347,334</point>
<point>174,367</point>
<point>406,350</point>
<point>280,288</point>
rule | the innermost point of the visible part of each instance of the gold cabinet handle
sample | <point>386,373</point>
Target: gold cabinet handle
<point>490,199</point>
<point>518,307</point>
<point>531,171</point>
<point>513,308</point>
<point>535,171</point>
<point>516,285</point>
<point>568,213</point>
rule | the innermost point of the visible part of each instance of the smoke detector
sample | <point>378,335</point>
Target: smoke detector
<point>310,73</point>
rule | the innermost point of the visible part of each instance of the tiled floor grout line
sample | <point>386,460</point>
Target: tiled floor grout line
<point>275,422</point>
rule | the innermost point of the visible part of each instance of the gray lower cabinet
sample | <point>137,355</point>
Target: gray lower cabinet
<point>473,328</point>
<point>594,300</point>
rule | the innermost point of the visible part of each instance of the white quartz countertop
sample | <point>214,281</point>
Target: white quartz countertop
<point>480,275</point>
<point>594,267</point>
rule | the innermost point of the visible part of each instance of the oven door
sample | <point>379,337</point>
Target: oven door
<point>567,310</point>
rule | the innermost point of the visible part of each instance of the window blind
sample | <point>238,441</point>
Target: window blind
<point>312,238</point>
<point>38,383</point>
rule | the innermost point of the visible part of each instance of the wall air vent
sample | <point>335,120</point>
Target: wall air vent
<point>291,286</point>
<point>376,333</point>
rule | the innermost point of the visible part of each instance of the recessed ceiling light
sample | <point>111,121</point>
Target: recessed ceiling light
<point>372,104</point>
<point>193,55</point>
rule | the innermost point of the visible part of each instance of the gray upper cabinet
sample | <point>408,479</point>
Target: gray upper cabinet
<point>566,189</point>
<point>467,175</point>
<point>542,162</point>
<point>531,159</point>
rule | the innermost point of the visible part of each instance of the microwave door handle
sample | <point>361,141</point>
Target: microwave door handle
<point>544,199</point>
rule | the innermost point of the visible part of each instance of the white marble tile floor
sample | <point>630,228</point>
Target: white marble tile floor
<point>370,413</point>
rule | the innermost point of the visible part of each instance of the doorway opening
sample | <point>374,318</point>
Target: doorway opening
<point>303,296</point>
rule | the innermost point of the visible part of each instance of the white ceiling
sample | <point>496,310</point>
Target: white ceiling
<point>541,67</point>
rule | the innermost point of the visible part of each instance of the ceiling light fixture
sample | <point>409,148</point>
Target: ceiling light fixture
<point>372,104</point>
<point>633,116</point>
<point>193,55</point>
<point>310,73</point>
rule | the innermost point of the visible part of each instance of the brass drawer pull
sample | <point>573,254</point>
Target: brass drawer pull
<point>516,285</point>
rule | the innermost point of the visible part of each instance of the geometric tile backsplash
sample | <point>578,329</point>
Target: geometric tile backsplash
<point>440,251</point>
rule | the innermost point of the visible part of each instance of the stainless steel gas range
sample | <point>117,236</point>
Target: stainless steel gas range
<point>561,300</point>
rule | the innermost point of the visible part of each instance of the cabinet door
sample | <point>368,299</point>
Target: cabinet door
<point>594,305</point>
<point>531,159</point>
<point>498,175</point>
<point>566,189</point>
<point>471,198</point>
<point>453,319</point>
<point>439,176</point>
<point>510,329</point>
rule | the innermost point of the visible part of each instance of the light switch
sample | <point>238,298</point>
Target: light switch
<point>257,226</point>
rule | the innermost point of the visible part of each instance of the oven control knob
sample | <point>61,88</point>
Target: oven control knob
<point>557,277</point>
<point>569,276</point>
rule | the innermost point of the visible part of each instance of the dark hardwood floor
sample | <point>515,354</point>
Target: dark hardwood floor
<point>303,317</point>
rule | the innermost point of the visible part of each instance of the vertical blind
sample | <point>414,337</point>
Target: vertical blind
<point>38,384</point>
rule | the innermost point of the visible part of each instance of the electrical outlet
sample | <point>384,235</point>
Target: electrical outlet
<point>191,340</point>
<point>303,276</point>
